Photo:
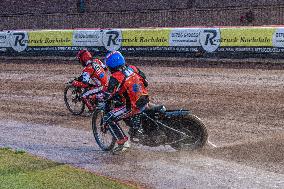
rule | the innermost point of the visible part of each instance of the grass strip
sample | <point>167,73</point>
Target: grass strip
<point>19,170</point>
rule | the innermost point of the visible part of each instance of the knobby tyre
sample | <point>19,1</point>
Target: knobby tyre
<point>194,128</point>
<point>101,132</point>
<point>73,101</point>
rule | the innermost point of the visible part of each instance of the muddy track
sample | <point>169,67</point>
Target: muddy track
<point>243,110</point>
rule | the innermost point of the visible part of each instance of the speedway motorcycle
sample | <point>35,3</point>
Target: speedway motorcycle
<point>73,98</point>
<point>180,129</point>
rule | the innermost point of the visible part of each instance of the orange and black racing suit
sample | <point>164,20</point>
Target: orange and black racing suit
<point>130,85</point>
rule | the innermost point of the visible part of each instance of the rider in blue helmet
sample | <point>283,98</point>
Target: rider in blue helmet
<point>114,60</point>
<point>128,84</point>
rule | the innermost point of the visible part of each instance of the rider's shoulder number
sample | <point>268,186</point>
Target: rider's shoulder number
<point>96,67</point>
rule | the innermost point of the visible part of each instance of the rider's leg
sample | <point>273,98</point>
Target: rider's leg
<point>86,100</point>
<point>136,130</point>
<point>88,103</point>
<point>87,96</point>
<point>117,132</point>
<point>122,143</point>
<point>112,119</point>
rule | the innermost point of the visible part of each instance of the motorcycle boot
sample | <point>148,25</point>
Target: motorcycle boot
<point>120,147</point>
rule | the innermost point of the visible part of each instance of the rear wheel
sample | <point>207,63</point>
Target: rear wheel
<point>195,130</point>
<point>73,101</point>
<point>101,132</point>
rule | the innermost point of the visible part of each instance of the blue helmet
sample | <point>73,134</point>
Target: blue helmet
<point>114,60</point>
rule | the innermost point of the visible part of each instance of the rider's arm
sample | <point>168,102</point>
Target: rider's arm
<point>83,80</point>
<point>112,88</point>
<point>86,77</point>
<point>145,81</point>
<point>141,73</point>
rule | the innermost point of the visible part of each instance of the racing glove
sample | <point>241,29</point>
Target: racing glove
<point>79,84</point>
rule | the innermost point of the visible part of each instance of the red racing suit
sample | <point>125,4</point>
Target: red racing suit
<point>95,78</point>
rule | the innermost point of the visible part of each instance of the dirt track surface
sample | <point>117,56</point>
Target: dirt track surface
<point>243,110</point>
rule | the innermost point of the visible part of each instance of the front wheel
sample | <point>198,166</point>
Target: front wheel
<point>73,101</point>
<point>195,130</point>
<point>101,132</point>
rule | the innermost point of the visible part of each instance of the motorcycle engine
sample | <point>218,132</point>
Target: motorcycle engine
<point>154,138</point>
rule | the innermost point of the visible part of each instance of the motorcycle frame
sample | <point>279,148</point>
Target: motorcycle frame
<point>158,123</point>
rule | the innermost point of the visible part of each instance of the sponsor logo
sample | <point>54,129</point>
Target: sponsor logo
<point>278,38</point>
<point>185,37</point>
<point>18,41</point>
<point>87,38</point>
<point>246,37</point>
<point>86,35</point>
<point>210,39</point>
<point>136,88</point>
<point>102,75</point>
<point>112,39</point>
<point>96,67</point>
<point>2,38</point>
<point>145,37</point>
<point>50,38</point>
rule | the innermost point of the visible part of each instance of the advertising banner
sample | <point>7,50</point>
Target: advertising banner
<point>185,37</point>
<point>87,38</point>
<point>50,38</point>
<point>145,37</point>
<point>214,41</point>
<point>249,40</point>
<point>278,38</point>
<point>4,41</point>
<point>185,40</point>
<point>246,37</point>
